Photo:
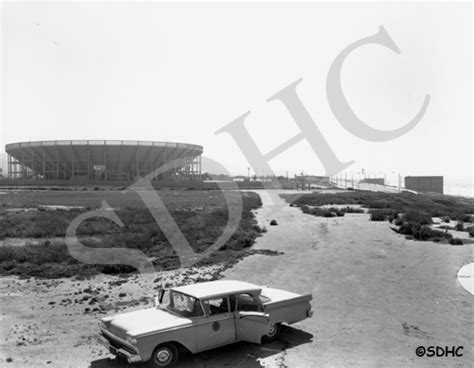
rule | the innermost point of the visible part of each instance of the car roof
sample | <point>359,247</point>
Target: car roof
<point>211,289</point>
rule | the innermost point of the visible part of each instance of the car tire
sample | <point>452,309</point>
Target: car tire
<point>275,329</point>
<point>164,355</point>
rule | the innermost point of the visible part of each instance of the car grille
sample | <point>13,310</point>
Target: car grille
<point>117,344</point>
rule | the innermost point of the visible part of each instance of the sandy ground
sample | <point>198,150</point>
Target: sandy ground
<point>53,323</point>
<point>377,297</point>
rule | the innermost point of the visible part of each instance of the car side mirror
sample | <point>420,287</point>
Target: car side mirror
<point>161,294</point>
<point>158,300</point>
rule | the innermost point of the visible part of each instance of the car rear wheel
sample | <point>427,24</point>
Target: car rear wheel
<point>165,355</point>
<point>274,331</point>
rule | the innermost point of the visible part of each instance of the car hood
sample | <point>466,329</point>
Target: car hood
<point>143,321</point>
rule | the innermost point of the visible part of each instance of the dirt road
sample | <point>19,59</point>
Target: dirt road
<point>377,296</point>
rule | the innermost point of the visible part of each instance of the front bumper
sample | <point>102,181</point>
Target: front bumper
<point>130,357</point>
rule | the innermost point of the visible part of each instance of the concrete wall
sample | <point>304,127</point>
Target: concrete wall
<point>312,179</point>
<point>425,183</point>
<point>378,181</point>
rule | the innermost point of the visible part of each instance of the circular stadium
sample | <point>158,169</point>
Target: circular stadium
<point>95,160</point>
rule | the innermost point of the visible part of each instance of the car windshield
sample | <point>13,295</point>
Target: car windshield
<point>184,305</point>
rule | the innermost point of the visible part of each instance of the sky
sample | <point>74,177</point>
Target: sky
<point>182,71</point>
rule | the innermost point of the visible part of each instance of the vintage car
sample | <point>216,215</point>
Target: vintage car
<point>200,317</point>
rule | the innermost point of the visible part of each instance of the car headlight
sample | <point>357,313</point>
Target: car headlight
<point>132,340</point>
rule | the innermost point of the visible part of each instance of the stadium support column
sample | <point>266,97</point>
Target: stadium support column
<point>72,162</point>
<point>152,161</point>
<point>200,167</point>
<point>32,162</point>
<point>122,174</point>
<point>88,161</point>
<point>21,164</point>
<point>165,175</point>
<point>44,163</point>
<point>175,163</point>
<point>105,162</point>
<point>57,163</point>
<point>136,162</point>
<point>10,167</point>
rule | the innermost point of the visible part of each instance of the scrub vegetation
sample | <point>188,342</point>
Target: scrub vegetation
<point>411,213</point>
<point>200,215</point>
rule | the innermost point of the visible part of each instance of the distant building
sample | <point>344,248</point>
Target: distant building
<point>433,184</point>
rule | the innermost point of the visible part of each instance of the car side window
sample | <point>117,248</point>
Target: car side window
<point>247,303</point>
<point>216,306</point>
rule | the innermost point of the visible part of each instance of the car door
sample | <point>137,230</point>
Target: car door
<point>217,327</point>
<point>251,326</point>
<point>251,323</point>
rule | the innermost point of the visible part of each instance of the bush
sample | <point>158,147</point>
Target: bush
<point>470,230</point>
<point>329,212</point>
<point>393,216</point>
<point>352,210</point>
<point>304,208</point>
<point>257,229</point>
<point>461,217</point>
<point>377,215</point>
<point>398,221</point>
<point>383,214</point>
<point>456,241</point>
<point>273,223</point>
<point>445,219</point>
<point>421,218</point>
<point>435,206</point>
<point>459,226</point>
<point>378,204</point>
<point>422,232</point>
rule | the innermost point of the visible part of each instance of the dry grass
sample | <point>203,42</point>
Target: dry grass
<point>201,216</point>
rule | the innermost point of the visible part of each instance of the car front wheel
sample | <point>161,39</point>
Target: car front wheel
<point>165,355</point>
